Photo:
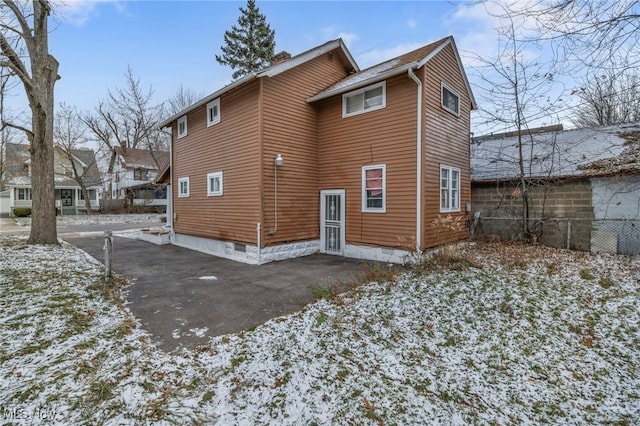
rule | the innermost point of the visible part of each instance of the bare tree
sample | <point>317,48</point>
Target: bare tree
<point>181,99</point>
<point>518,88</point>
<point>6,132</point>
<point>69,134</point>
<point>128,118</point>
<point>610,97</point>
<point>592,32</point>
<point>24,34</point>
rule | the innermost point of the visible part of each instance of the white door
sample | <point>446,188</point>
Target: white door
<point>332,237</point>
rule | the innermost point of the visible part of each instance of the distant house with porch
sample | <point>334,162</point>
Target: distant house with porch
<point>131,173</point>
<point>584,186</point>
<point>69,196</point>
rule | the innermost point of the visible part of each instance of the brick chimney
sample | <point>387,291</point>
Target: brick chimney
<point>280,57</point>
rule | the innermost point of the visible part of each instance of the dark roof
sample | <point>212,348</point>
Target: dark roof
<point>134,158</point>
<point>597,151</point>
<point>17,157</point>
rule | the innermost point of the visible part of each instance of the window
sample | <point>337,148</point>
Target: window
<point>214,184</point>
<point>140,174</point>
<point>374,189</point>
<point>213,112</point>
<point>92,194</point>
<point>23,194</point>
<point>450,100</point>
<point>367,99</point>
<point>182,126</point>
<point>449,189</point>
<point>183,187</point>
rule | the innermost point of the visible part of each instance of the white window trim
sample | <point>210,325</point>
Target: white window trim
<point>449,189</point>
<point>365,208</point>
<point>182,119</point>
<point>382,84</point>
<point>444,85</point>
<point>210,105</point>
<point>210,192</point>
<point>183,194</point>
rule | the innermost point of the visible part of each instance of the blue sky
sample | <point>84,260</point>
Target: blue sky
<point>172,43</point>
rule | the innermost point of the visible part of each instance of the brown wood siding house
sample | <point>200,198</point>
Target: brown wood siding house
<point>348,139</point>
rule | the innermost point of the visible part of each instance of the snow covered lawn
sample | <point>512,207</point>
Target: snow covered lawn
<point>534,335</point>
<point>83,219</point>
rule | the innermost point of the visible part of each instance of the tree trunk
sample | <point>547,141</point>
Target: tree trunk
<point>44,71</point>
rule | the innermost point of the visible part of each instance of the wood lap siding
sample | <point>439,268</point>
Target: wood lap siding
<point>386,136</point>
<point>290,128</point>
<point>446,142</point>
<point>232,146</point>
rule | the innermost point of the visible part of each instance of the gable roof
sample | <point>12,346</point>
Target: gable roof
<point>597,151</point>
<point>135,158</point>
<point>395,66</point>
<point>271,71</point>
<point>17,156</point>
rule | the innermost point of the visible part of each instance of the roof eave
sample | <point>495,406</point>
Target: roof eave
<point>208,99</point>
<point>363,83</point>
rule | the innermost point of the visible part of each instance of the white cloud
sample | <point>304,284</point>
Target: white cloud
<point>79,12</point>
<point>412,23</point>
<point>375,56</point>
<point>331,33</point>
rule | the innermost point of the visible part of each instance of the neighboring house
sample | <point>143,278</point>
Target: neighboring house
<point>312,154</point>
<point>585,186</point>
<point>69,196</point>
<point>131,174</point>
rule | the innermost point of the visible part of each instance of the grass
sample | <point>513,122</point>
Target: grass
<point>485,334</point>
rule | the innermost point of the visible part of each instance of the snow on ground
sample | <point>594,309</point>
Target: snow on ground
<point>528,335</point>
<point>93,219</point>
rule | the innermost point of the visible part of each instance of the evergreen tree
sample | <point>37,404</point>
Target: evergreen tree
<point>249,45</point>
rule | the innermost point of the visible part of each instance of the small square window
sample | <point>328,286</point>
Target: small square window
<point>449,189</point>
<point>214,184</point>
<point>374,189</point>
<point>213,112</point>
<point>450,100</point>
<point>182,126</point>
<point>183,187</point>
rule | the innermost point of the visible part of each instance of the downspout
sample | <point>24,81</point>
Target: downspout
<point>171,205</point>
<point>418,162</point>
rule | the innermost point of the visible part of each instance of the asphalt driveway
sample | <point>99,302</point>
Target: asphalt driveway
<point>182,296</point>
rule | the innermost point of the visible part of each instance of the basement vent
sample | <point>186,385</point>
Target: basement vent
<point>242,248</point>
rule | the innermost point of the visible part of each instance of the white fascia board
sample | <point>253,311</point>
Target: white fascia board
<point>363,83</point>
<point>306,56</point>
<point>208,99</point>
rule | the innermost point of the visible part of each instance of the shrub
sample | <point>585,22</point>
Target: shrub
<point>22,211</point>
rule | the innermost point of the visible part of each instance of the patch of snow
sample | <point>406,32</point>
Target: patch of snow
<point>533,336</point>
<point>199,332</point>
<point>208,277</point>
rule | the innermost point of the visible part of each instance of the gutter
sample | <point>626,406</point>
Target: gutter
<point>208,99</point>
<point>411,75</point>
<point>362,83</point>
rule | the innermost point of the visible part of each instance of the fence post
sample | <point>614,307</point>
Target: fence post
<point>108,247</point>
<point>568,233</point>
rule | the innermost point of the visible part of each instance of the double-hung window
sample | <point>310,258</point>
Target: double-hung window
<point>214,184</point>
<point>182,126</point>
<point>213,112</point>
<point>183,187</point>
<point>367,99</point>
<point>450,100</point>
<point>374,192</point>
<point>23,193</point>
<point>449,189</point>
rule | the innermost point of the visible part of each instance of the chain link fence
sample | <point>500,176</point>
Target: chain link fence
<point>620,236</point>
